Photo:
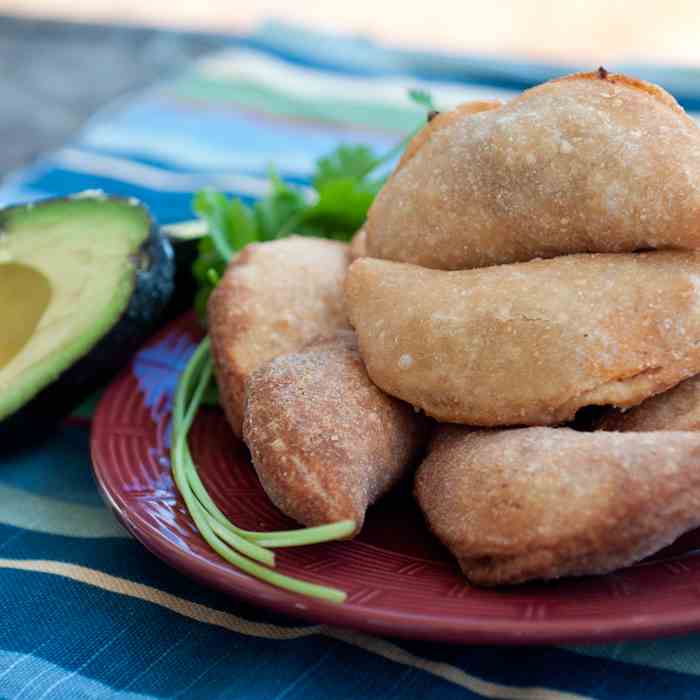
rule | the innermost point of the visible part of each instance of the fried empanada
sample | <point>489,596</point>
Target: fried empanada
<point>325,441</point>
<point>593,162</point>
<point>529,343</point>
<point>540,503</point>
<point>274,298</point>
<point>676,409</point>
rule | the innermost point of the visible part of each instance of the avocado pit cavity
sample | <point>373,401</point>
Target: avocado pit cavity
<point>25,293</point>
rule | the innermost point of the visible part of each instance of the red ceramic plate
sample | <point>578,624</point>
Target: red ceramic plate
<point>398,578</point>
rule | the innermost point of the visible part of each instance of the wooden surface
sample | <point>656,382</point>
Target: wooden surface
<point>590,30</point>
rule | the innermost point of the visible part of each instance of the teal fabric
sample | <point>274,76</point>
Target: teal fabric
<point>85,610</point>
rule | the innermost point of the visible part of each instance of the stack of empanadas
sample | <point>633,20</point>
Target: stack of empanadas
<point>524,261</point>
<point>579,203</point>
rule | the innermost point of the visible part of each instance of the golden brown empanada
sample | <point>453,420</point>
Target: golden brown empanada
<point>540,503</point>
<point>325,441</point>
<point>594,162</point>
<point>529,343</point>
<point>274,298</point>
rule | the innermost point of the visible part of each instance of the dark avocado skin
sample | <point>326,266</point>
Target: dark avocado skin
<point>185,284</point>
<point>149,300</point>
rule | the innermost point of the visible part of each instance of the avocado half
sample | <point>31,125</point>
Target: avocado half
<point>83,281</point>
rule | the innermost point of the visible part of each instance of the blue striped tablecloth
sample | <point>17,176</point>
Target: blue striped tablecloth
<point>85,611</point>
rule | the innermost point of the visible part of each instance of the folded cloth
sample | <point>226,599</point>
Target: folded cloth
<point>86,611</point>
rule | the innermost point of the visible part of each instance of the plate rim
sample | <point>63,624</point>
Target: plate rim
<point>466,629</point>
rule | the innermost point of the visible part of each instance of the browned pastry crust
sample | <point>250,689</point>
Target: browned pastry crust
<point>274,298</point>
<point>358,244</point>
<point>655,91</point>
<point>529,343</point>
<point>540,503</point>
<point>325,441</point>
<point>676,409</point>
<point>588,163</point>
<point>440,121</point>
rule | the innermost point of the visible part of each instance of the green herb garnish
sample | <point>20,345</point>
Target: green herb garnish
<point>423,98</point>
<point>337,207</point>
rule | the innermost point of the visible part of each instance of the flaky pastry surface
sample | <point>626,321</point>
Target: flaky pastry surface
<point>540,503</point>
<point>595,162</point>
<point>325,441</point>
<point>529,343</point>
<point>274,298</point>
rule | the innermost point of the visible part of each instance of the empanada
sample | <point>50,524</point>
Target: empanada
<point>274,298</point>
<point>529,343</point>
<point>593,162</point>
<point>325,441</point>
<point>540,503</point>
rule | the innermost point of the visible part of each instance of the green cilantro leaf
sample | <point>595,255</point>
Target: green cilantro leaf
<point>422,98</point>
<point>231,223</point>
<point>211,207</point>
<point>275,213</point>
<point>344,162</point>
<point>207,269</point>
<point>341,208</point>
<point>232,226</point>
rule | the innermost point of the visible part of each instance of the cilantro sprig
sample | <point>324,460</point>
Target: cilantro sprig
<point>343,191</point>
<point>423,98</point>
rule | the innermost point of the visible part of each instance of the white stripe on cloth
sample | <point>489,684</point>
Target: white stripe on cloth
<point>226,620</point>
<point>319,84</point>
<point>153,178</point>
<point>188,151</point>
<point>30,511</point>
<point>312,83</point>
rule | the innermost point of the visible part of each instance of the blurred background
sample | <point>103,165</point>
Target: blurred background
<point>588,30</point>
<point>64,59</point>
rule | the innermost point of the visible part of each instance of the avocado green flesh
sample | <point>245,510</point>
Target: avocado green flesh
<point>24,296</point>
<point>67,271</point>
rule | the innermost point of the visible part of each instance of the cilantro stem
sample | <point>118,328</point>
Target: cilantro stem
<point>233,538</point>
<point>309,535</point>
<point>201,363</point>
<point>282,538</point>
<point>257,570</point>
